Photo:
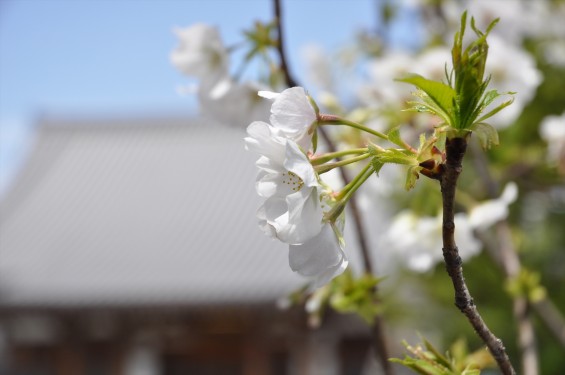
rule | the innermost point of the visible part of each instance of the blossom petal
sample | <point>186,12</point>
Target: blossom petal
<point>293,114</point>
<point>321,257</point>
<point>467,243</point>
<point>492,211</point>
<point>279,184</point>
<point>273,215</point>
<point>304,215</point>
<point>417,240</point>
<point>292,111</point>
<point>263,140</point>
<point>299,164</point>
<point>201,52</point>
<point>510,193</point>
<point>268,94</point>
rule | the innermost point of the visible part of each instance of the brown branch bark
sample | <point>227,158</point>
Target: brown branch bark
<point>455,150</point>
<point>289,80</point>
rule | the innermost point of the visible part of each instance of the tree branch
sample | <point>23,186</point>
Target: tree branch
<point>552,318</point>
<point>289,80</point>
<point>455,150</point>
<point>377,328</point>
<point>507,258</point>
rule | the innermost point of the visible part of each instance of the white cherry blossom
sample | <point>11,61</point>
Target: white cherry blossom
<point>201,53</point>
<point>519,19</point>
<point>511,69</point>
<point>491,211</point>
<point>417,241</point>
<point>320,258</point>
<point>292,211</point>
<point>552,130</point>
<point>293,208</point>
<point>318,66</point>
<point>233,103</point>
<point>292,114</point>
<point>382,90</point>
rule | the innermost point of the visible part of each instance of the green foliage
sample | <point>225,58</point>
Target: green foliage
<point>487,134</point>
<point>461,102</point>
<point>355,295</point>
<point>345,294</point>
<point>435,97</point>
<point>396,156</point>
<point>427,360</point>
<point>394,136</point>
<point>262,37</point>
<point>526,284</point>
<point>427,157</point>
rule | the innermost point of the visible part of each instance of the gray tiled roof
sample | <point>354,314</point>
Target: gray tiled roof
<point>145,212</point>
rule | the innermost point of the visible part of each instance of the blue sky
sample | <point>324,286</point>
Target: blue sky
<point>110,57</point>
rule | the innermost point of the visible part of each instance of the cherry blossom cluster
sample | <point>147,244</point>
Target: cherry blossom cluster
<point>298,207</point>
<point>203,56</point>
<point>295,199</point>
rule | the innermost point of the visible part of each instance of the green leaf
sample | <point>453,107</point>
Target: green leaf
<point>374,149</point>
<point>478,104</point>
<point>395,156</point>
<point>377,165</point>
<point>411,176</point>
<point>355,295</point>
<point>440,358</point>
<point>394,136</point>
<point>496,110</point>
<point>417,365</point>
<point>427,105</point>
<point>439,93</point>
<point>488,136</point>
<point>489,97</point>
<point>315,140</point>
<point>426,146</point>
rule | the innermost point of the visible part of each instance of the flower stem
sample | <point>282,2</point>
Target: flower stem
<point>378,333</point>
<point>378,329</point>
<point>336,120</point>
<point>328,167</point>
<point>321,159</point>
<point>455,150</point>
<point>347,192</point>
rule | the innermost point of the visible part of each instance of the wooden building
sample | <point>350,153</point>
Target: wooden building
<point>131,247</point>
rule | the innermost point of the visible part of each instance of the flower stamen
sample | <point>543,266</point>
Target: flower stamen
<point>290,178</point>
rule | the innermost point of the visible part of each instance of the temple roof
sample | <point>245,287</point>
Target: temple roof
<point>137,211</point>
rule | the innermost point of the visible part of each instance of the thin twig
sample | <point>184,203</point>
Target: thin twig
<point>552,318</point>
<point>455,150</point>
<point>526,333</point>
<point>510,262</point>
<point>379,339</point>
<point>289,80</point>
<point>377,333</point>
<point>505,256</point>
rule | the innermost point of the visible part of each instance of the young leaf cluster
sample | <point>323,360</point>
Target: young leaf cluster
<point>462,101</point>
<point>427,360</point>
<point>426,159</point>
<point>355,295</point>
